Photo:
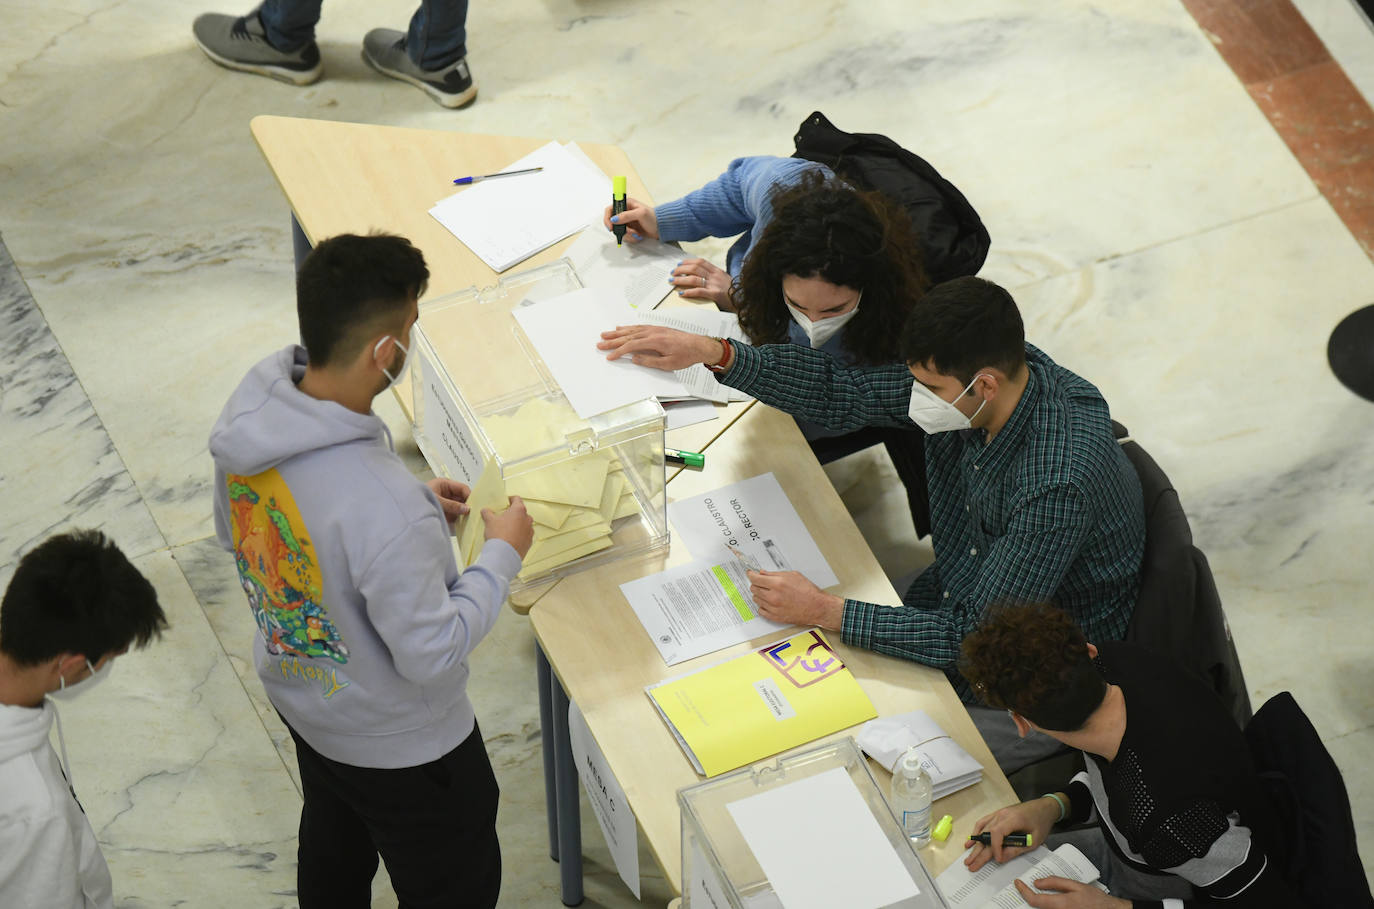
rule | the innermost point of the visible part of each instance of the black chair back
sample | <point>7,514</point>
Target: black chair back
<point>1178,611</point>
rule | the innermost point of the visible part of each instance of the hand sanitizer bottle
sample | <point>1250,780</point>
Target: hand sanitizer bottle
<point>910,800</point>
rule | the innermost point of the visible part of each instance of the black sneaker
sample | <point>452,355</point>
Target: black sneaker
<point>384,49</point>
<point>241,44</point>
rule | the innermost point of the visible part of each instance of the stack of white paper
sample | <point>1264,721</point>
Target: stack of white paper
<point>508,220</point>
<point>887,738</point>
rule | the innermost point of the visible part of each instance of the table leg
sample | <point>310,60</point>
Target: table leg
<point>299,244</point>
<point>546,682</point>
<point>569,810</point>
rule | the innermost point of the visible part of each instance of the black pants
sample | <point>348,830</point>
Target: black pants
<point>907,448</point>
<point>434,826</point>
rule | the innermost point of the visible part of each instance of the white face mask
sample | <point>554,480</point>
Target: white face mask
<point>934,414</point>
<point>67,692</point>
<point>822,330</point>
<point>405,364</point>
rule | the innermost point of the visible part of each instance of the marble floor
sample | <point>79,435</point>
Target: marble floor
<point>1160,237</point>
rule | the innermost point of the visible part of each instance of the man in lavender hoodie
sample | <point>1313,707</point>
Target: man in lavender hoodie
<point>364,619</point>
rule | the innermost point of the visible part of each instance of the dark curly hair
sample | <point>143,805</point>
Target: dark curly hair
<point>1033,659</point>
<point>824,228</point>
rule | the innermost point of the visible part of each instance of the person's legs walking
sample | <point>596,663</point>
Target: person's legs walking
<point>438,33</point>
<point>432,55</point>
<point>277,40</point>
<point>290,24</point>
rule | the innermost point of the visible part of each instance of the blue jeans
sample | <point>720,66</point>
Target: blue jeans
<point>437,35</point>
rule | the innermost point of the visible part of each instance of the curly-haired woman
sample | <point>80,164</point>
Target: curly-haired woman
<point>818,263</point>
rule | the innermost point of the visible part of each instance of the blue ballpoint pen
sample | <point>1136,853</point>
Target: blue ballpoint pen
<point>464,181</point>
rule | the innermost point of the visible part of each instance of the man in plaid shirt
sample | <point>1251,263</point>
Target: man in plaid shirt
<point>1031,498</point>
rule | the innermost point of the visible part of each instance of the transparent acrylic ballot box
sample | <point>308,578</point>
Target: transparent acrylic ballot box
<point>484,400</point>
<point>719,867</point>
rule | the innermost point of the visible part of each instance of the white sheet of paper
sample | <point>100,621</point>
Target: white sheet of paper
<point>608,800</point>
<point>636,271</point>
<point>686,413</point>
<point>565,329</point>
<point>756,517</point>
<point>508,220</point>
<point>820,846</point>
<point>687,611</point>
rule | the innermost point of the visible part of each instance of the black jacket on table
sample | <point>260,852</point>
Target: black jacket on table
<point>1182,795</point>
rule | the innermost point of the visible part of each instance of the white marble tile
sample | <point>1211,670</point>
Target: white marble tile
<point>58,467</point>
<point>185,792</point>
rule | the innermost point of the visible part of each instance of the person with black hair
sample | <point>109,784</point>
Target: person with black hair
<point>365,619</point>
<point>74,605</point>
<point>1031,497</point>
<point>818,263</point>
<point>1181,816</point>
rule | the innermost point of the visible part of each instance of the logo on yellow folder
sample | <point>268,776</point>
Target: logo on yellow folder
<point>803,660</point>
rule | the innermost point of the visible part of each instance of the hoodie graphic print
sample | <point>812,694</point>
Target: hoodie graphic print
<point>281,576</point>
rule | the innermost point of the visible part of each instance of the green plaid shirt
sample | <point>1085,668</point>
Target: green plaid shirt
<point>1050,510</point>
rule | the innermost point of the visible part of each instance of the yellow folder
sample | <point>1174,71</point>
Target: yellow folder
<point>786,694</point>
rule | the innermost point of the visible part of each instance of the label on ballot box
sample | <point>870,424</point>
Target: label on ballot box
<point>448,438</point>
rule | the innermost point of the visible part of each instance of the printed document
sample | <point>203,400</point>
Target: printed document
<point>756,517</point>
<point>697,608</point>
<point>992,884</point>
<point>820,846</point>
<point>508,220</point>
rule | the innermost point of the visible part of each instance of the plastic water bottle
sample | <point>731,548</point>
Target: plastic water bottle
<point>911,793</point>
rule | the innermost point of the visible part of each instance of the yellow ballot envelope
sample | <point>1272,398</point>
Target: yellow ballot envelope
<point>777,697</point>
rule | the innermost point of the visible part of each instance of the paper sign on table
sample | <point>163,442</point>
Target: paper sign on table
<point>608,800</point>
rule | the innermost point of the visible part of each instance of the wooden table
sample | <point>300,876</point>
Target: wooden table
<point>356,178</point>
<point>603,659</point>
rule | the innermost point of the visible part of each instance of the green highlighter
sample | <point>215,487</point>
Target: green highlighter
<point>684,458</point>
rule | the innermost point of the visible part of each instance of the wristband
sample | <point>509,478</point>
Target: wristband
<point>727,354</point>
<point>1063,809</point>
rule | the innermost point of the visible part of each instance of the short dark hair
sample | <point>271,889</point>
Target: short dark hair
<point>962,326</point>
<point>349,286</point>
<point>1033,659</point>
<point>824,228</point>
<point>77,593</point>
